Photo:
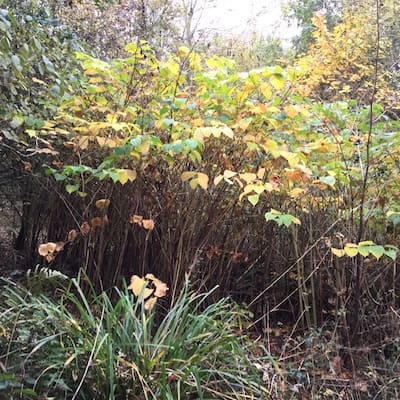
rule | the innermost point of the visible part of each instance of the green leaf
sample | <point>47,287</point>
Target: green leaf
<point>391,253</point>
<point>377,251</point>
<point>71,188</point>
<point>16,121</point>
<point>16,62</point>
<point>254,199</point>
<point>328,180</point>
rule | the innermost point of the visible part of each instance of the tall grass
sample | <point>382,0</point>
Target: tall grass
<point>110,347</point>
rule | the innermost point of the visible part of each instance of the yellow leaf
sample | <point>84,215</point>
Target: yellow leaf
<point>69,360</point>
<point>126,175</point>
<point>102,203</point>
<point>290,111</point>
<point>248,177</point>
<point>202,180</point>
<point>144,147</point>
<point>338,252</point>
<point>138,287</point>
<point>91,71</point>
<point>261,173</point>
<point>296,192</point>
<point>183,51</point>
<point>187,175</point>
<point>229,174</point>
<point>218,179</point>
<point>132,175</point>
<point>150,303</point>
<point>227,132</point>
<point>351,249</point>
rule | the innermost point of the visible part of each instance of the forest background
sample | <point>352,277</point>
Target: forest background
<point>257,181</point>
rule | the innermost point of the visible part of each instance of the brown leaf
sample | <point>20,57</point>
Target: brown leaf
<point>150,303</point>
<point>27,166</point>
<point>336,365</point>
<point>102,203</point>
<point>106,221</point>
<point>72,234</point>
<point>136,219</point>
<point>50,257</point>
<point>85,228</point>
<point>275,181</point>
<point>59,246</point>
<point>213,251</point>
<point>69,145</point>
<point>47,248</point>
<point>138,286</point>
<point>58,164</point>
<point>161,287</point>
<point>237,257</point>
<point>96,222</point>
<point>148,224</point>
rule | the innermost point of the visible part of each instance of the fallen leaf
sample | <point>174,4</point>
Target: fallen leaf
<point>27,166</point>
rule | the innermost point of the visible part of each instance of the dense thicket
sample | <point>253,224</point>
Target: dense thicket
<point>276,184</point>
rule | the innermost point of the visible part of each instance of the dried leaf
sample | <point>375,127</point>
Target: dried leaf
<point>275,181</point>
<point>136,219</point>
<point>105,220</point>
<point>59,246</point>
<point>47,248</point>
<point>72,234</point>
<point>96,222</point>
<point>50,257</point>
<point>150,303</point>
<point>27,166</point>
<point>138,287</point>
<point>148,224</point>
<point>102,203</point>
<point>161,287</point>
<point>237,257</point>
<point>85,228</point>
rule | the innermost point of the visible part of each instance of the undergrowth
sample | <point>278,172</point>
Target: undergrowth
<point>71,346</point>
